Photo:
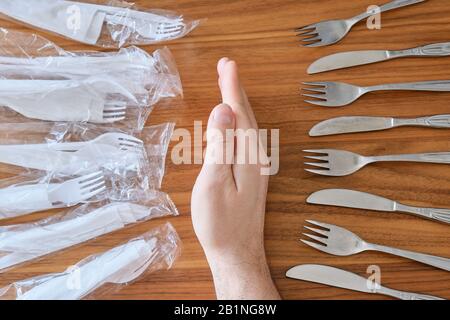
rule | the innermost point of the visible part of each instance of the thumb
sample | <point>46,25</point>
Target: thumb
<point>220,138</point>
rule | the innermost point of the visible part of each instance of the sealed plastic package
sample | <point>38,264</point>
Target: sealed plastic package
<point>155,250</point>
<point>65,164</point>
<point>109,24</point>
<point>26,242</point>
<point>41,81</point>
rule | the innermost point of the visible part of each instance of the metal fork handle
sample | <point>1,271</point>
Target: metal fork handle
<point>435,261</point>
<point>404,295</point>
<point>439,85</point>
<point>396,4</point>
<point>437,121</point>
<point>437,157</point>
<point>441,215</point>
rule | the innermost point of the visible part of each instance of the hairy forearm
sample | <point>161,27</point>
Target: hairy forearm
<point>243,279</point>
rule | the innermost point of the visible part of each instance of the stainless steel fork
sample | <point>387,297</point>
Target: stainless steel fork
<point>342,163</point>
<point>338,94</point>
<point>329,32</point>
<point>341,242</point>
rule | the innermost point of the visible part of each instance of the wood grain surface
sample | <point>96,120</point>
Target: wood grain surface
<point>258,35</point>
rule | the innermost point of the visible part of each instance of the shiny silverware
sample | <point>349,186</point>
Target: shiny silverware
<point>329,32</point>
<point>342,125</point>
<point>361,200</point>
<point>343,279</point>
<point>342,163</point>
<point>341,242</point>
<point>338,94</point>
<point>357,58</point>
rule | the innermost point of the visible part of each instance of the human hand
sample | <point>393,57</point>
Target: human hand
<point>229,197</point>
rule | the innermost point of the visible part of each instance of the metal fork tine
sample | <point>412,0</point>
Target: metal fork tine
<point>321,84</point>
<point>319,231</point>
<point>320,158</point>
<point>322,103</point>
<point>311,26</point>
<point>312,32</point>
<point>317,38</point>
<point>320,172</point>
<point>316,151</point>
<point>319,164</point>
<point>316,89</point>
<point>312,45</point>
<point>320,224</point>
<point>316,96</point>
<point>318,239</point>
<point>313,244</point>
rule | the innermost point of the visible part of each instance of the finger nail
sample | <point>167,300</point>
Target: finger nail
<point>223,114</point>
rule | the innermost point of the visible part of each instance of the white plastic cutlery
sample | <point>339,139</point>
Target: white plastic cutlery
<point>361,200</point>
<point>30,243</point>
<point>338,94</point>
<point>332,31</point>
<point>110,267</point>
<point>342,163</point>
<point>19,200</point>
<point>341,242</point>
<point>357,58</point>
<point>52,15</point>
<point>343,279</point>
<point>66,100</point>
<point>343,125</point>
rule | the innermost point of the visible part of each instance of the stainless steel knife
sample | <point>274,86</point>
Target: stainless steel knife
<point>357,58</point>
<point>361,200</point>
<point>343,279</point>
<point>363,124</point>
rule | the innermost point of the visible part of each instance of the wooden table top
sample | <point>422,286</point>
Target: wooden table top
<point>258,35</point>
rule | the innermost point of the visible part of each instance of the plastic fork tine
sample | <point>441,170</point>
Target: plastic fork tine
<point>94,188</point>
<point>319,231</point>
<point>89,177</point>
<point>320,224</point>
<point>88,183</point>
<point>315,96</point>
<point>318,164</point>
<point>318,239</point>
<point>313,244</point>
<point>131,140</point>
<point>320,158</point>
<point>94,193</point>
<point>114,115</point>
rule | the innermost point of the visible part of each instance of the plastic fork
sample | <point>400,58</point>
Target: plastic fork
<point>338,94</point>
<point>342,163</point>
<point>341,242</point>
<point>38,197</point>
<point>332,31</point>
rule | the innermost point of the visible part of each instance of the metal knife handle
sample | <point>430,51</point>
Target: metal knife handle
<point>438,121</point>
<point>432,50</point>
<point>442,215</point>
<point>404,295</point>
<point>435,261</point>
<point>440,85</point>
<point>396,4</point>
<point>437,157</point>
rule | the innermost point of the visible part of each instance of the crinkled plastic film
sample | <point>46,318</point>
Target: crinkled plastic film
<point>66,164</point>
<point>26,242</point>
<point>40,81</point>
<point>153,251</point>
<point>110,24</point>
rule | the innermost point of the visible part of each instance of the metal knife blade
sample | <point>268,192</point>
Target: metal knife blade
<point>348,59</point>
<point>329,276</point>
<point>352,199</point>
<point>351,124</point>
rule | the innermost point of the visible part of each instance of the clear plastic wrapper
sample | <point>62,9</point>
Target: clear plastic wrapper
<point>110,24</point>
<point>39,80</point>
<point>26,242</point>
<point>65,164</point>
<point>155,250</point>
